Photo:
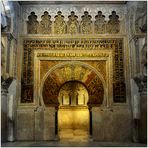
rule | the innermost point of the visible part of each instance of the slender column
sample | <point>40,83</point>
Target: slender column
<point>90,124</point>
<point>4,93</point>
<point>56,124</point>
<point>137,64</point>
<point>10,118</point>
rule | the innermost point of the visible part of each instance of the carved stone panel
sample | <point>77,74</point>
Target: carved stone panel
<point>100,66</point>
<point>27,94</point>
<point>100,23</point>
<point>59,24</point>
<point>113,25</point>
<point>32,24</point>
<point>73,72</point>
<point>86,23</point>
<point>95,87</point>
<point>72,24</point>
<point>119,90</point>
<point>50,92</point>
<point>45,24</point>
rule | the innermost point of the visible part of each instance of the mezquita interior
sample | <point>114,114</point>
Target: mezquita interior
<point>73,71</point>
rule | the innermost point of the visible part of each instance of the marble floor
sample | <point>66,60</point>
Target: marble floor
<point>70,144</point>
<point>71,138</point>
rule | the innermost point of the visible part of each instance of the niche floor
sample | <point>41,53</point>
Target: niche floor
<point>73,135</point>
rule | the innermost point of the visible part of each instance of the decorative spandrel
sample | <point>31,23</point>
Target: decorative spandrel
<point>95,87</point>
<point>50,91</point>
<point>72,24</point>
<point>100,23</point>
<point>59,24</point>
<point>86,23</point>
<point>45,24</point>
<point>32,24</point>
<point>113,25</point>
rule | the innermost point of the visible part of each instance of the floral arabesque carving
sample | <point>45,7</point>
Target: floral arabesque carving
<point>59,24</point>
<point>86,23</point>
<point>45,24</point>
<point>113,25</point>
<point>32,24</point>
<point>72,24</point>
<point>100,23</point>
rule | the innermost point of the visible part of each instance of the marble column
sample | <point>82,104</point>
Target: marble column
<point>137,64</point>
<point>5,83</point>
<point>143,119</point>
<point>10,118</point>
<point>4,93</point>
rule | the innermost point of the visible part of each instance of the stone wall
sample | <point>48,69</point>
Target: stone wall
<point>111,124</point>
<point>35,124</point>
<point>137,32</point>
<point>9,34</point>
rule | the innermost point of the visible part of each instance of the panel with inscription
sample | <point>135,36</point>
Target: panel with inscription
<point>72,72</point>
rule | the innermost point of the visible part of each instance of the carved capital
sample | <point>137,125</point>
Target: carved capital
<point>4,91</point>
<point>136,40</point>
<point>5,83</point>
<point>141,82</point>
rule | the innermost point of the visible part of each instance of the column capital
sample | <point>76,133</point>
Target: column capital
<point>4,91</point>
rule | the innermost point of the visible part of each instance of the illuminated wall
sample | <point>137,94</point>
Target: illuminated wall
<point>73,112</point>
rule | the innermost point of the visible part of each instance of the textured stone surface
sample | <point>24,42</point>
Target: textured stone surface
<point>111,124</point>
<point>11,109</point>
<point>49,124</point>
<point>25,124</point>
<point>39,124</point>
<point>143,119</point>
<point>3,116</point>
